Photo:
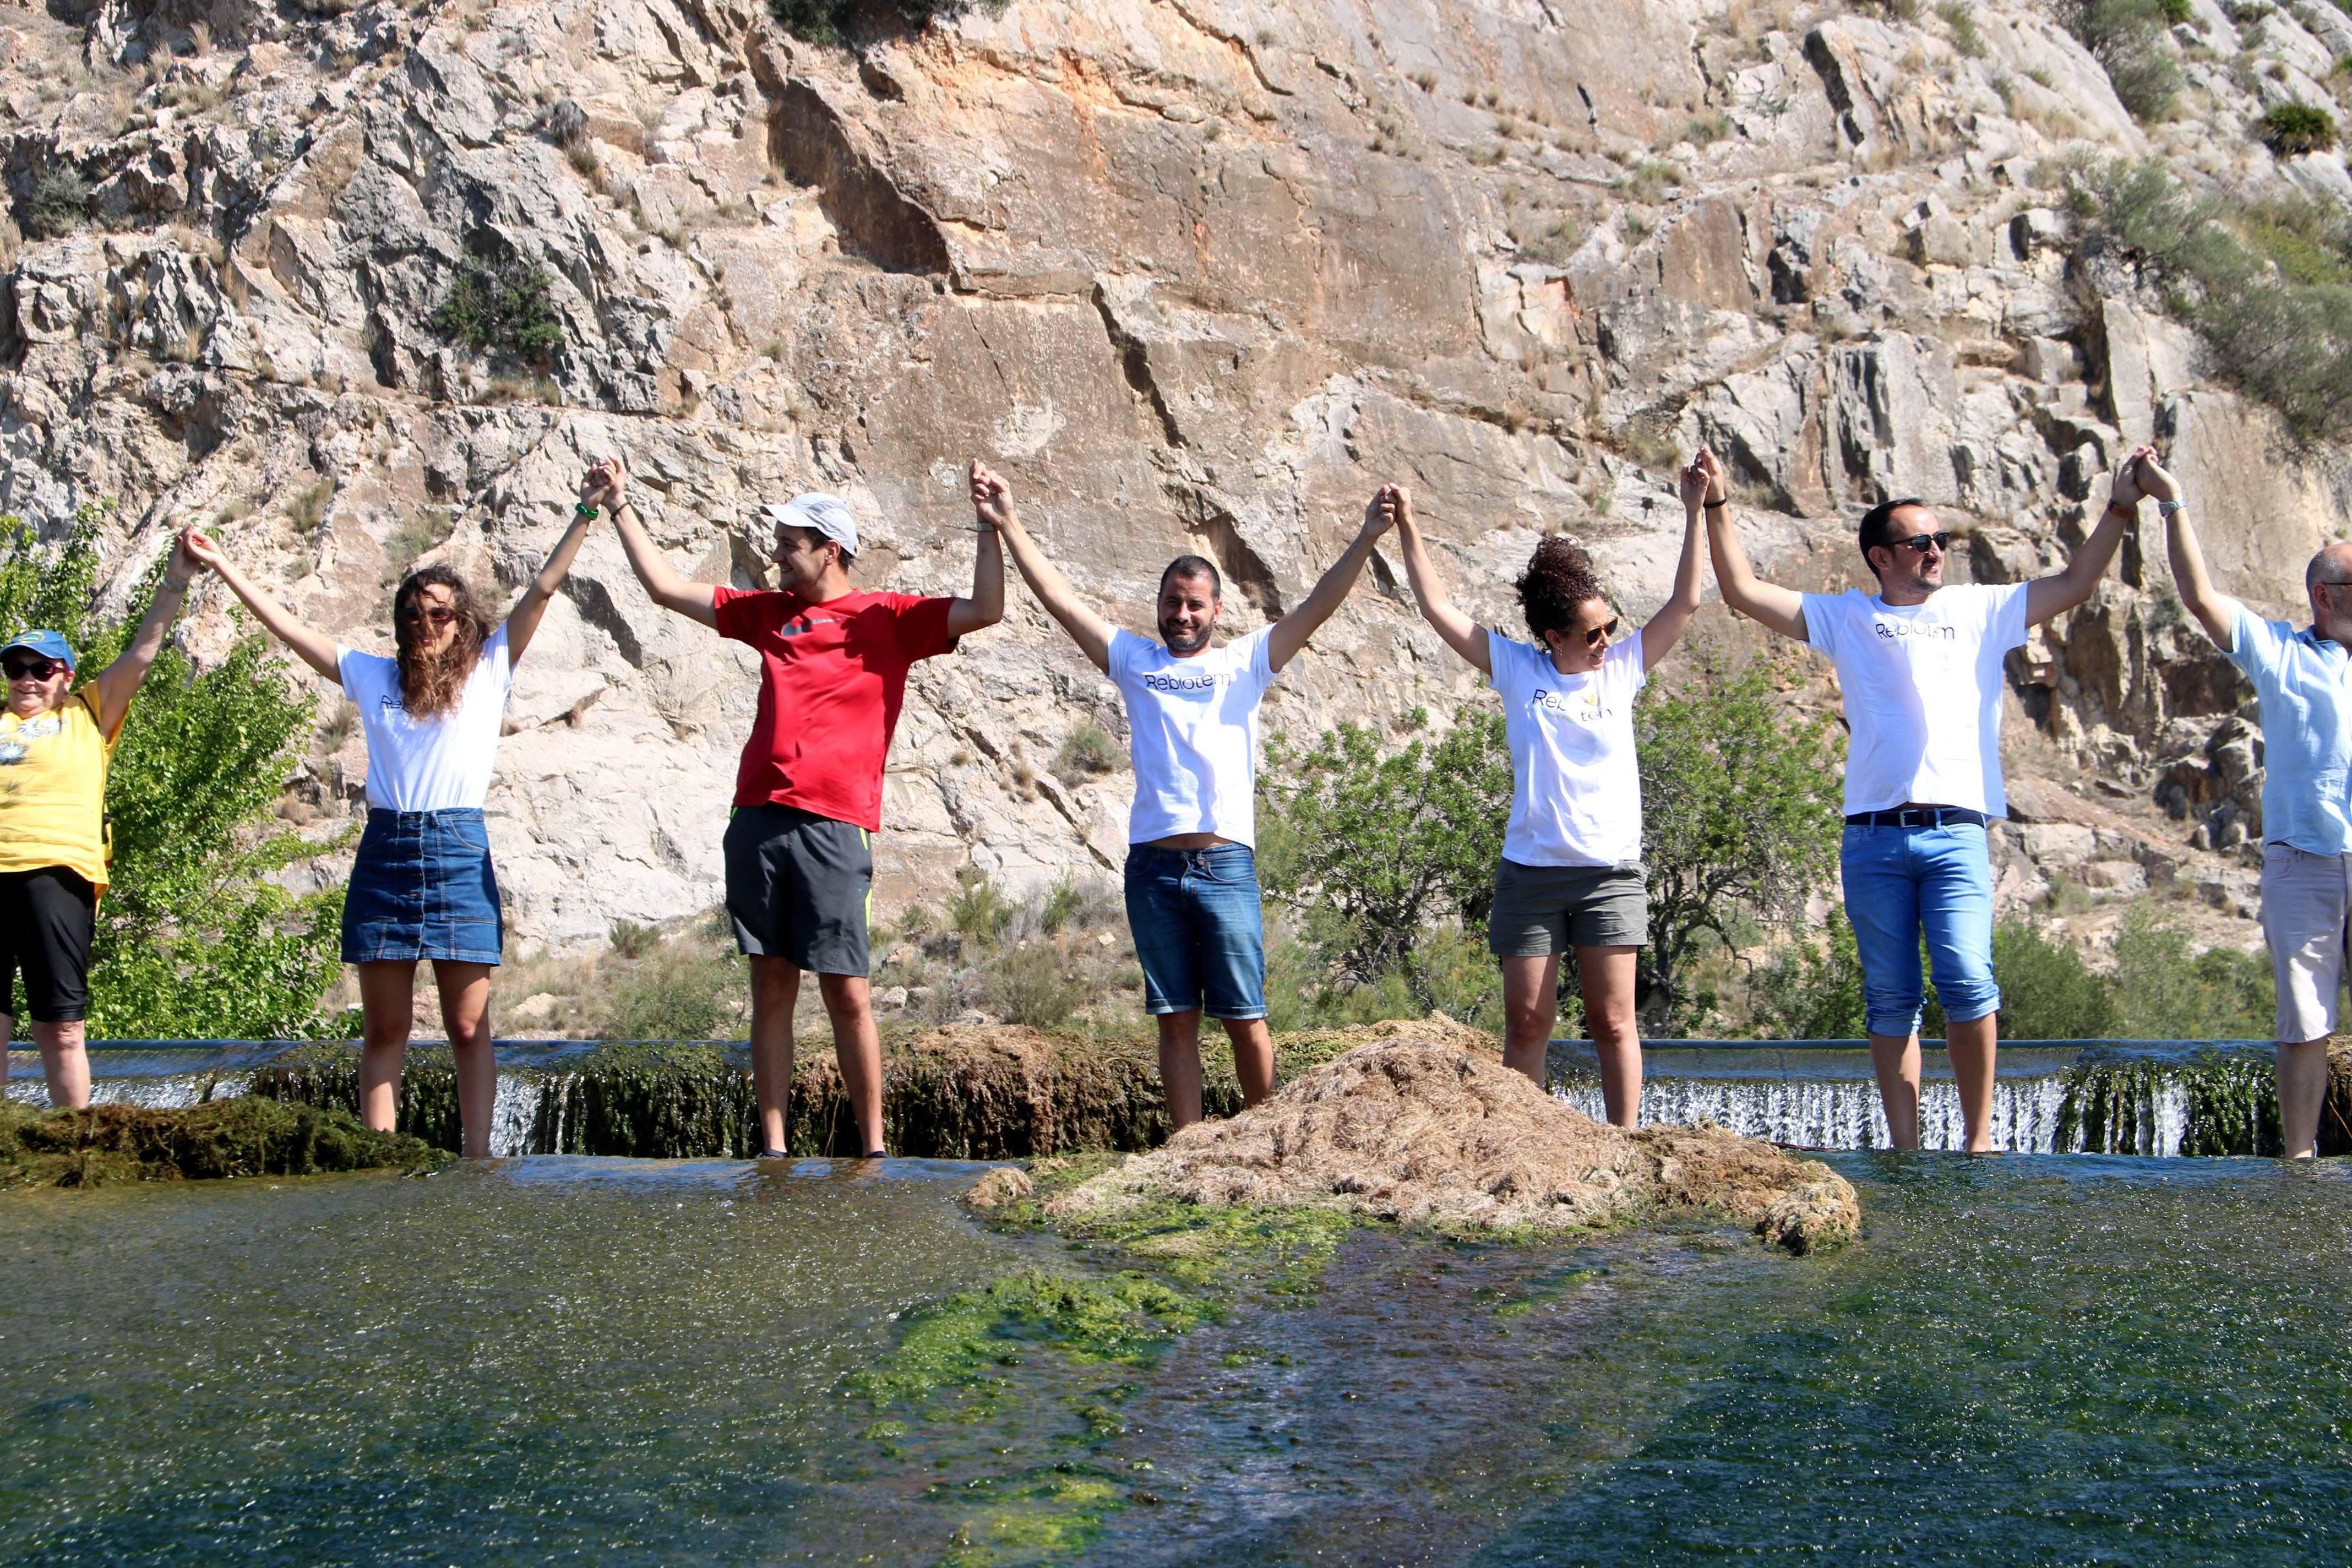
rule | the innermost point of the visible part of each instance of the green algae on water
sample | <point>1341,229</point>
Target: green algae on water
<point>1125,1318</point>
<point>245,1136</point>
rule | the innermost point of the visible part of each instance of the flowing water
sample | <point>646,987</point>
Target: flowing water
<point>2096,1359</point>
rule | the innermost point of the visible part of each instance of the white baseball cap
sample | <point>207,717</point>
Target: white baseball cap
<point>828,515</point>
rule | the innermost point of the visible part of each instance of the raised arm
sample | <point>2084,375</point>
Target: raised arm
<point>992,501</point>
<point>2214,610</point>
<point>986,606</point>
<point>1700,485</point>
<point>1291,632</point>
<point>695,601</point>
<point>522,621</point>
<point>118,681</point>
<point>2063,590</point>
<point>1779,609</point>
<point>312,646</point>
<point>1456,630</point>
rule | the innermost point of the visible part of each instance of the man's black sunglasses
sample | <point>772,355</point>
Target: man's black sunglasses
<point>1923,542</point>
<point>30,668</point>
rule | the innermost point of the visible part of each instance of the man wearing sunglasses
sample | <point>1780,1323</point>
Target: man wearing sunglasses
<point>2299,679</point>
<point>55,745</point>
<point>1919,663</point>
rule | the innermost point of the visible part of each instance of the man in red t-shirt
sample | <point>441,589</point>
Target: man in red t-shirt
<point>808,796</point>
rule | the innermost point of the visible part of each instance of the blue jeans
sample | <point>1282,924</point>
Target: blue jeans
<point>1199,932</point>
<point>1901,882</point>
<point>422,886</point>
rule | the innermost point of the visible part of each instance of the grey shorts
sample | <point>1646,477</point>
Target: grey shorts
<point>800,887</point>
<point>1543,910</point>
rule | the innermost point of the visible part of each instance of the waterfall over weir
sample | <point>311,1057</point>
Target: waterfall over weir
<point>2072,1096</point>
<point>694,1099</point>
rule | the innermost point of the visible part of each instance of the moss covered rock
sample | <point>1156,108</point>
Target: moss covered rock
<point>245,1136</point>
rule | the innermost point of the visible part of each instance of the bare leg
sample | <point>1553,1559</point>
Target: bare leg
<point>1608,976</point>
<point>1973,1046</point>
<point>1530,1008</point>
<point>66,1064</point>
<point>387,1012</point>
<point>2302,1092</point>
<point>1253,1057</point>
<point>1179,1065</point>
<point>1895,1060</point>
<point>466,1013</point>
<point>857,1047</point>
<point>776,991</point>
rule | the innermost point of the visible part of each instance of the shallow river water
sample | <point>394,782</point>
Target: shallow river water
<point>561,1359</point>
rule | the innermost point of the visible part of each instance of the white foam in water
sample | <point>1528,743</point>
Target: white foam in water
<point>155,1093</point>
<point>514,1112</point>
<point>1844,1113</point>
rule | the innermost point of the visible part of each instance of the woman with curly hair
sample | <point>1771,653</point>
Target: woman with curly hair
<point>422,886</point>
<point>1572,871</point>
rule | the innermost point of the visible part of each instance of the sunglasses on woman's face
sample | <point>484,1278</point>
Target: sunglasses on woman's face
<point>1595,637</point>
<point>1923,543</point>
<point>31,669</point>
<point>438,615</point>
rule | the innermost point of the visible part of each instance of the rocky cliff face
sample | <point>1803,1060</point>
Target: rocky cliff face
<point>1197,274</point>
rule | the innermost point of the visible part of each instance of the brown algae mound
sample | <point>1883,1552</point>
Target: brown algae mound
<point>244,1136</point>
<point>1424,1132</point>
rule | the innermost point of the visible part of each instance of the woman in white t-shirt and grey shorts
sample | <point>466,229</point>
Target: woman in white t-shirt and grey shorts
<point>422,886</point>
<point>1571,870</point>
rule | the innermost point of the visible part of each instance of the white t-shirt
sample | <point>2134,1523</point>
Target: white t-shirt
<point>433,764</point>
<point>1192,728</point>
<point>1923,692</point>
<point>1576,786</point>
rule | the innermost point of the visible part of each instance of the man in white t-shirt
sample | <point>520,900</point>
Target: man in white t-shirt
<point>1920,666</point>
<point>1192,714</point>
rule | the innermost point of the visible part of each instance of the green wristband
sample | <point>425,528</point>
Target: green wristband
<point>584,512</point>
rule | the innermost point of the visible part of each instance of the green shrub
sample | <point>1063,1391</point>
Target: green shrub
<point>1810,992</point>
<point>1086,751</point>
<point>1962,21</point>
<point>978,913</point>
<point>2126,38</point>
<point>630,939</point>
<point>2293,129</point>
<point>2165,993</point>
<point>59,205</point>
<point>1065,901</point>
<point>2265,287</point>
<point>500,305</point>
<point>193,941</point>
<point>836,21</point>
<point>2047,993</point>
<point>680,991</point>
<point>1028,985</point>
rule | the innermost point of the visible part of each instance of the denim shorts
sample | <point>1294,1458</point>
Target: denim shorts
<point>422,887</point>
<point>1199,932</point>
<point>1906,883</point>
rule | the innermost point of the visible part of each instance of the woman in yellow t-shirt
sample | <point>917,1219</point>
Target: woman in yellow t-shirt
<point>54,743</point>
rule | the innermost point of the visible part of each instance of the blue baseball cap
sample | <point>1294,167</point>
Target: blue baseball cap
<point>49,645</point>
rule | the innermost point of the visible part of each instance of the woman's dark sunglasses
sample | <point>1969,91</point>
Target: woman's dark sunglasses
<point>1920,541</point>
<point>1607,632</point>
<point>437,615</point>
<point>31,669</point>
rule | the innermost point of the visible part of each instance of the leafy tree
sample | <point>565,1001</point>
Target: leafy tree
<point>192,941</point>
<point>1373,847</point>
<point>1740,816</point>
<point>1811,991</point>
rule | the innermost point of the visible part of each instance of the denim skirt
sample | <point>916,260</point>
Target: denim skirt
<point>422,886</point>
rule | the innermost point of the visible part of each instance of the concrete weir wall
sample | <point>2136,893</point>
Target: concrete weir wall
<point>1197,274</point>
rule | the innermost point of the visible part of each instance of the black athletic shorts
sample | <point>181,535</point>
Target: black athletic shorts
<point>800,886</point>
<point>46,920</point>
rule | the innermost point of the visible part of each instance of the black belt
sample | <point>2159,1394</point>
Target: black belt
<point>1917,816</point>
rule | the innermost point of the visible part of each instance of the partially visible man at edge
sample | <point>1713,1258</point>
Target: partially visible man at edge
<point>1193,899</point>
<point>2299,678</point>
<point>1919,664</point>
<point>808,794</point>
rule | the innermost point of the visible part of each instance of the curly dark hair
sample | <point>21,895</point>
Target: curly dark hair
<point>429,686</point>
<point>1558,581</point>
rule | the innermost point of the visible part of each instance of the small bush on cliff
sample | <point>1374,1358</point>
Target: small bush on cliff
<point>2126,36</point>
<point>500,305</point>
<point>2293,129</point>
<point>59,205</point>
<point>193,940</point>
<point>836,21</point>
<point>2268,287</point>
